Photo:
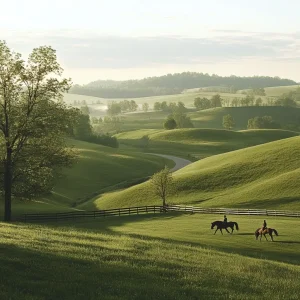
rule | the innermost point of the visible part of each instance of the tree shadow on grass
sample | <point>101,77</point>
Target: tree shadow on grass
<point>35,274</point>
<point>287,242</point>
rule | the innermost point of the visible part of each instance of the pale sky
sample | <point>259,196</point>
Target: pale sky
<point>126,39</point>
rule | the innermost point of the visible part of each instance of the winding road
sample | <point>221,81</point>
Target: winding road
<point>179,162</point>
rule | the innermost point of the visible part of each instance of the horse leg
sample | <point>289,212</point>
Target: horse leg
<point>216,230</point>
<point>221,231</point>
<point>265,237</point>
<point>271,237</point>
<point>227,230</point>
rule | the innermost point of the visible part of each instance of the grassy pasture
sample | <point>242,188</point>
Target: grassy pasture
<point>69,98</point>
<point>213,118</point>
<point>264,176</point>
<point>169,256</point>
<point>279,90</point>
<point>198,143</point>
<point>97,168</point>
<point>187,97</point>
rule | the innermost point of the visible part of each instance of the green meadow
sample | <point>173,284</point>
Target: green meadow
<point>213,118</point>
<point>187,97</point>
<point>198,143</point>
<point>264,176</point>
<point>170,255</point>
<point>93,173</point>
<point>165,256</point>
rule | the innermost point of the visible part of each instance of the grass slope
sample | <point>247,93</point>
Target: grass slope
<point>198,143</point>
<point>187,97</point>
<point>97,168</point>
<point>279,90</point>
<point>70,98</point>
<point>213,118</point>
<point>137,258</point>
<point>265,176</point>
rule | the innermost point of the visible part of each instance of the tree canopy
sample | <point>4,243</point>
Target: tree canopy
<point>175,84</point>
<point>33,123</point>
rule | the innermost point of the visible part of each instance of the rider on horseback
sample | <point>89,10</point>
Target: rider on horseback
<point>264,225</point>
<point>225,219</point>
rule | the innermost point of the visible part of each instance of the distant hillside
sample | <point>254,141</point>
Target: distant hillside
<point>265,176</point>
<point>173,84</point>
<point>199,143</point>
<point>212,118</point>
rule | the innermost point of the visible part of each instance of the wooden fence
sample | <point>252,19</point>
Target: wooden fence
<point>46,217</point>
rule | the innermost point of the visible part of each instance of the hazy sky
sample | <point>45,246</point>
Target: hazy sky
<point>124,39</point>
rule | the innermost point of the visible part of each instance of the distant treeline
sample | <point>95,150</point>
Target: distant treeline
<point>173,84</point>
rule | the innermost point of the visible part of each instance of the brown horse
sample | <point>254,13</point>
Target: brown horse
<point>260,232</point>
<point>222,225</point>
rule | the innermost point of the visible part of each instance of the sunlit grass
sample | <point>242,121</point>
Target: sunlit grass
<point>149,257</point>
<point>265,176</point>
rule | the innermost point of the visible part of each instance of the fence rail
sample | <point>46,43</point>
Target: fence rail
<point>46,217</point>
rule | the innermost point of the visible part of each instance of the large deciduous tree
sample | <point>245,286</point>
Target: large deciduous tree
<point>33,124</point>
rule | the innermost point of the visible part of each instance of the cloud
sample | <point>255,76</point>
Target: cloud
<point>79,49</point>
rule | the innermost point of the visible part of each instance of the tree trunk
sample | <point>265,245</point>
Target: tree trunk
<point>7,186</point>
<point>164,204</point>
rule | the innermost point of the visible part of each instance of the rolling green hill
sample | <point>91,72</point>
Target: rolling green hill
<point>173,84</point>
<point>98,168</point>
<point>279,90</point>
<point>264,176</point>
<point>198,143</point>
<point>70,98</point>
<point>213,118</point>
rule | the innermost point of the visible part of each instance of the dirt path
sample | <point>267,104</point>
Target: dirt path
<point>179,162</point>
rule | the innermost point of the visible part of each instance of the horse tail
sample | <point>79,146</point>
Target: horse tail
<point>275,231</point>
<point>236,225</point>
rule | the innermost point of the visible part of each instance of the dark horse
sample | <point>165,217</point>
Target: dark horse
<point>260,232</point>
<point>222,225</point>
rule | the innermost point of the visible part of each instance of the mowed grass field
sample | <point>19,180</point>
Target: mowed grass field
<point>165,256</point>
<point>198,143</point>
<point>97,168</point>
<point>264,176</point>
